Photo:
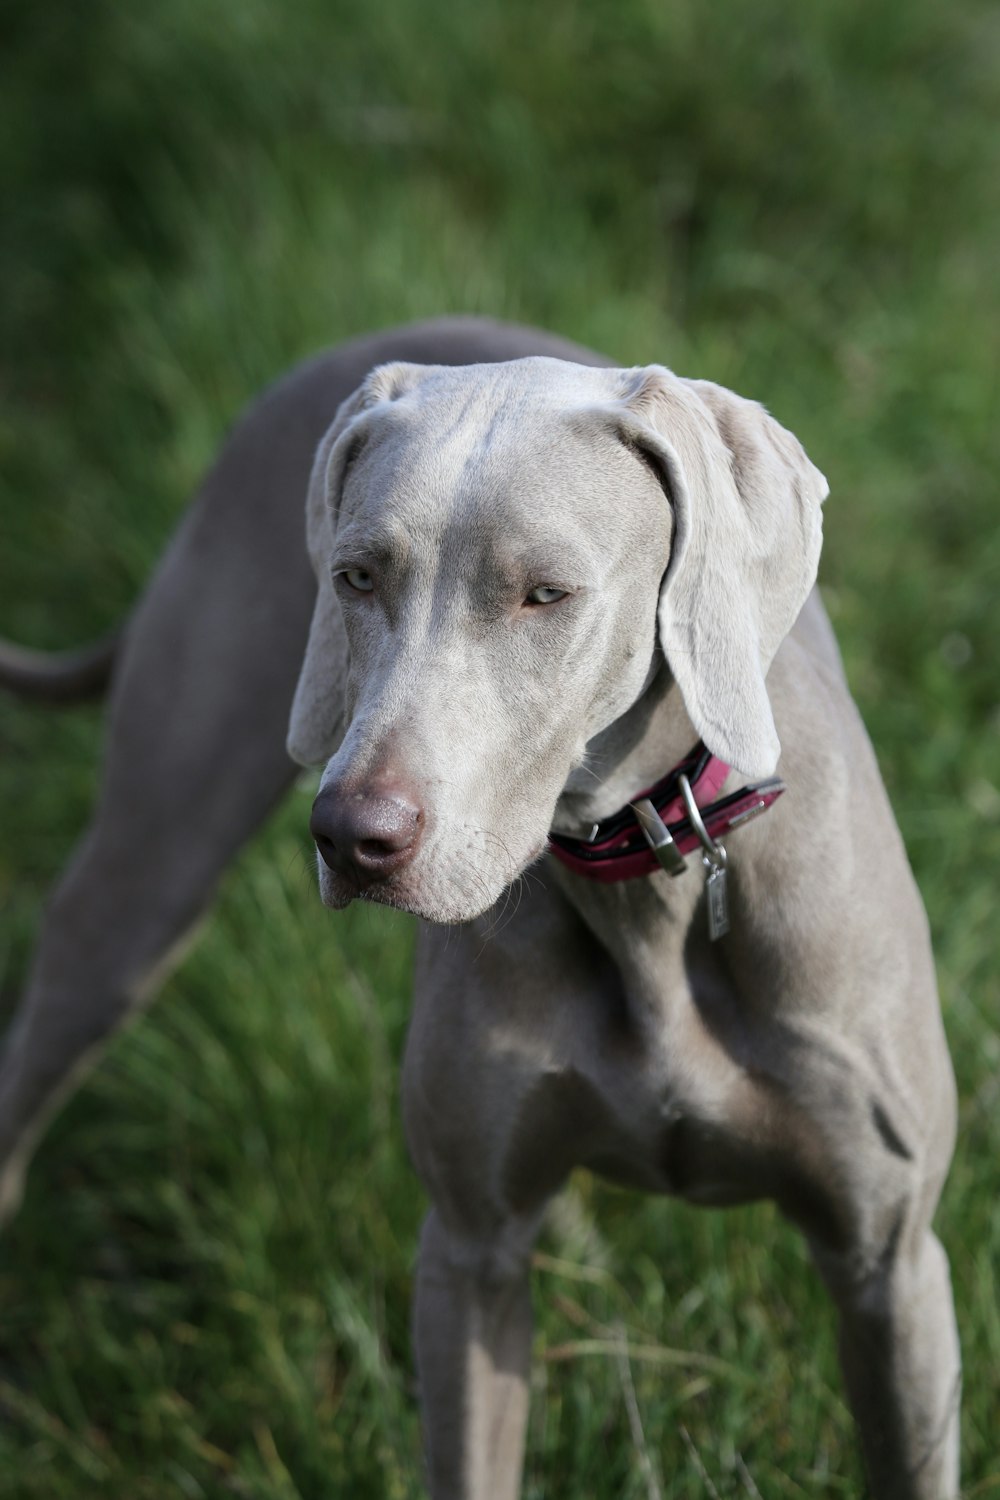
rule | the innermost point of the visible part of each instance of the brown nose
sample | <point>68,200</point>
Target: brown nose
<point>363,834</point>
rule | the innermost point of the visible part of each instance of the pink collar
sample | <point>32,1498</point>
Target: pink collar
<point>620,849</point>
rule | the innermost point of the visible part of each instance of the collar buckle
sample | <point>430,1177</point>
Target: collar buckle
<point>659,837</point>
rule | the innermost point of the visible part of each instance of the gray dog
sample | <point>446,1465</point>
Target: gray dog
<point>564,611</point>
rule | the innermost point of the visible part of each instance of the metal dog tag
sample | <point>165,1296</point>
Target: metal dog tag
<point>718,901</point>
<point>713,857</point>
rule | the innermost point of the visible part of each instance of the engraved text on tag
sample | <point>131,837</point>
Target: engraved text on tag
<point>718,903</point>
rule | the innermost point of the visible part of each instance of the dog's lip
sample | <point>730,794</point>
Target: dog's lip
<point>338,890</point>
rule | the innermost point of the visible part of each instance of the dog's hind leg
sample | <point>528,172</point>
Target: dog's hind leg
<point>195,760</point>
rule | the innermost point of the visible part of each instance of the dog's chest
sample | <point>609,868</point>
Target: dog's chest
<point>529,1069</point>
<point>633,1087</point>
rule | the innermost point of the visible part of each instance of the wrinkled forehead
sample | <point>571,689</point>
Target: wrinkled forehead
<point>526,452</point>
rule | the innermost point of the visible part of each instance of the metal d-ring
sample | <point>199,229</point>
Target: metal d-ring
<point>713,854</point>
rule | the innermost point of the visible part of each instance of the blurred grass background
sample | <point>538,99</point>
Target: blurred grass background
<point>206,1293</point>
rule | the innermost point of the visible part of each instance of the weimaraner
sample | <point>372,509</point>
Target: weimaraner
<point>564,618</point>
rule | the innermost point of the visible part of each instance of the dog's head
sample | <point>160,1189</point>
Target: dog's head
<point>498,549</point>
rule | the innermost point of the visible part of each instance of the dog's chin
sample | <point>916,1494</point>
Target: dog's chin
<point>461,899</point>
<point>335,891</point>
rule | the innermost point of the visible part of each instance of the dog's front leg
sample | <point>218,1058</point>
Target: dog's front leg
<point>900,1357</point>
<point>472,1332</point>
<point>494,1111</point>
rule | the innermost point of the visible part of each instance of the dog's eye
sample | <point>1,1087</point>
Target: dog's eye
<point>360,581</point>
<point>545,594</point>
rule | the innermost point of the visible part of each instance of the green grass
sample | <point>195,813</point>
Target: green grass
<point>206,1293</point>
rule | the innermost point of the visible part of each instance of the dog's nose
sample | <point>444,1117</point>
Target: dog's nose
<point>366,834</point>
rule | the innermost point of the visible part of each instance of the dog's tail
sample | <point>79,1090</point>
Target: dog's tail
<point>60,676</point>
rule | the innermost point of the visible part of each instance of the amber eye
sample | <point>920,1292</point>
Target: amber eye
<point>545,594</point>
<point>360,581</point>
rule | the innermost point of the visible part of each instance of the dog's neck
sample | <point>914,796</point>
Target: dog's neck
<point>635,751</point>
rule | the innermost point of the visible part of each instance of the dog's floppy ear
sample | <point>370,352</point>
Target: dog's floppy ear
<point>747,536</point>
<point>316,724</point>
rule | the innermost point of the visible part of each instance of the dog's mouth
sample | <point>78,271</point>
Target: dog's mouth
<point>447,894</point>
<point>382,894</point>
